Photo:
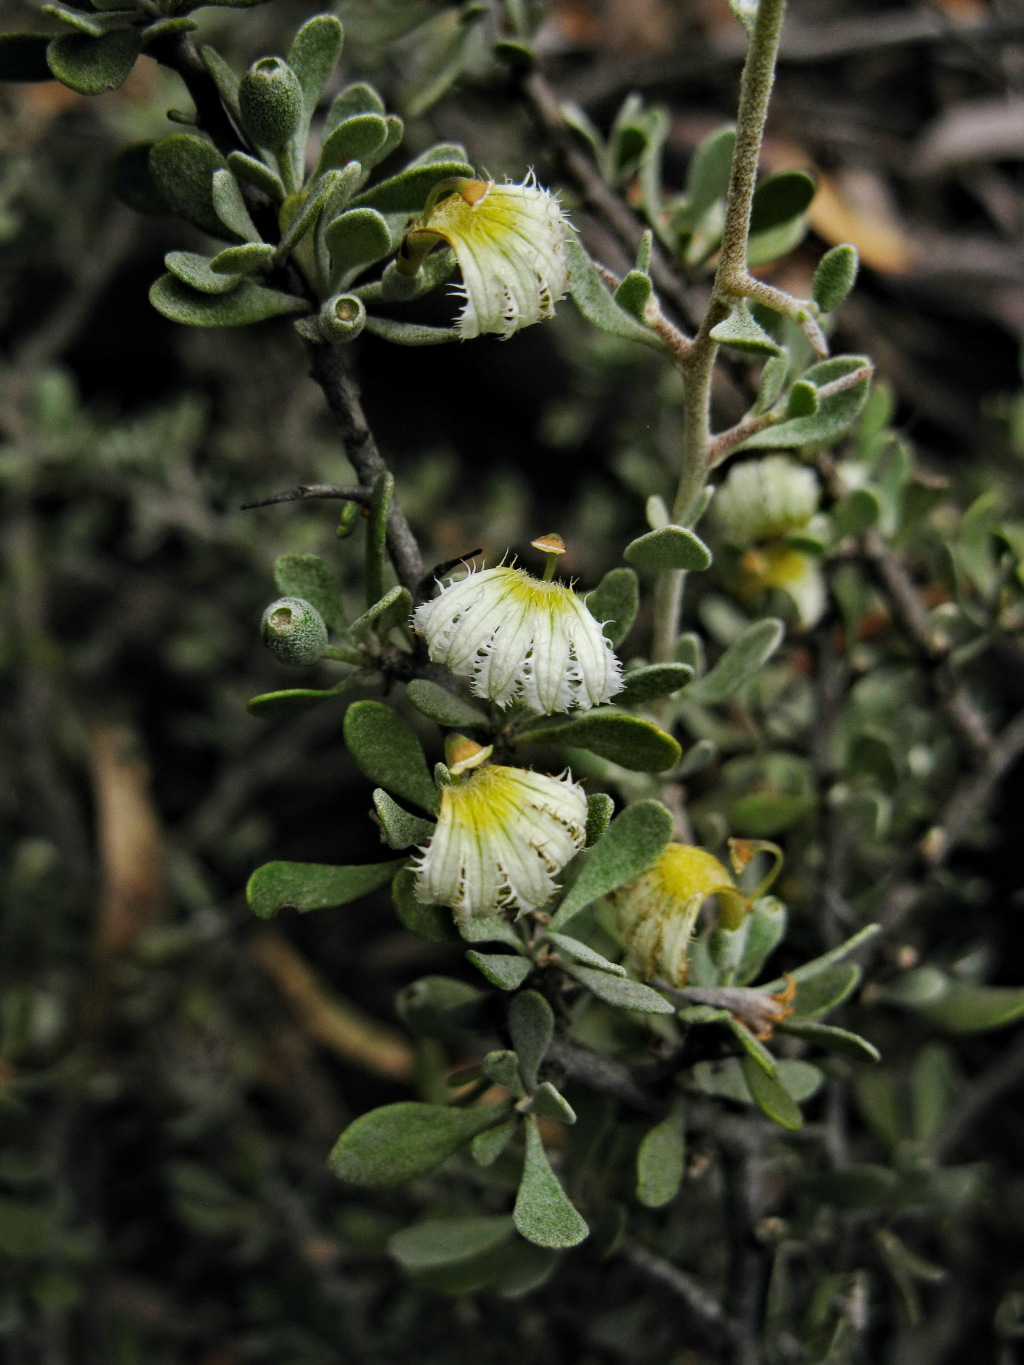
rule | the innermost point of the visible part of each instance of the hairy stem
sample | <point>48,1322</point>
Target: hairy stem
<point>697,366</point>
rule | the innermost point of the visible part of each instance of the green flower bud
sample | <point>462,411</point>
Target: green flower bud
<point>270,102</point>
<point>342,318</point>
<point>294,631</point>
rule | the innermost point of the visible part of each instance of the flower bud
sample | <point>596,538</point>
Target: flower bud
<point>270,102</point>
<point>342,318</point>
<point>294,631</point>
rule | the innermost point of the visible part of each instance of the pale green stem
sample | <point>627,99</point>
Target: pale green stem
<point>697,365</point>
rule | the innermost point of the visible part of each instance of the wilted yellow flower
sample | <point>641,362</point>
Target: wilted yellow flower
<point>502,836</point>
<point>657,911</point>
<point>509,241</point>
<point>521,639</point>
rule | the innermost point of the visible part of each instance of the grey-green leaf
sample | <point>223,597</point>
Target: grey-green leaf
<point>531,1025</point>
<point>600,809</point>
<point>615,602</point>
<point>835,277</point>
<point>653,680</point>
<point>438,704</point>
<point>631,741</point>
<point>595,301</point>
<point>393,609</point>
<point>833,1039</point>
<point>740,331</point>
<point>410,333</point>
<point>582,953</point>
<point>507,971</point>
<point>245,304</point>
<point>356,239</point>
<point>438,1242</point>
<point>661,1159</point>
<point>780,198</point>
<point>857,512</point>
<point>825,990</point>
<point>401,829</point>
<point>183,166</point>
<point>94,65</point>
<point>313,886</point>
<point>747,654</point>
<point>502,1067</point>
<point>634,840</point>
<point>549,1104</point>
<point>355,139</point>
<point>671,547</point>
<point>771,1096</point>
<point>387,751</point>
<point>836,412</point>
<point>489,1145</point>
<point>407,192</point>
<point>543,1213</point>
<point>967,1008</point>
<point>197,271</point>
<point>431,922</point>
<point>242,260</point>
<point>400,1141</point>
<point>287,701</point>
<point>620,991</point>
<point>313,55</point>
<point>707,177</point>
<point>229,206</point>
<point>307,576</point>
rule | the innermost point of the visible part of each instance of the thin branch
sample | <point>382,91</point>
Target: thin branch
<point>1005,1072</point>
<point>304,491</point>
<point>178,53</point>
<point>329,368</point>
<point>601,1073</point>
<point>726,442</point>
<point>547,113</point>
<point>684,1287</point>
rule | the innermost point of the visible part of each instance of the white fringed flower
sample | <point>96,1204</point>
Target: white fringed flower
<point>502,835</point>
<point>764,499</point>
<point>761,504</point>
<point>520,639</point>
<point>509,241</point>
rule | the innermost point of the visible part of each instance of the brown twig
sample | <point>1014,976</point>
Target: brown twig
<point>544,106</point>
<point>178,53</point>
<point>1005,1072</point>
<point>329,368</point>
<point>304,491</point>
<point>704,1307</point>
<point>600,1073</point>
